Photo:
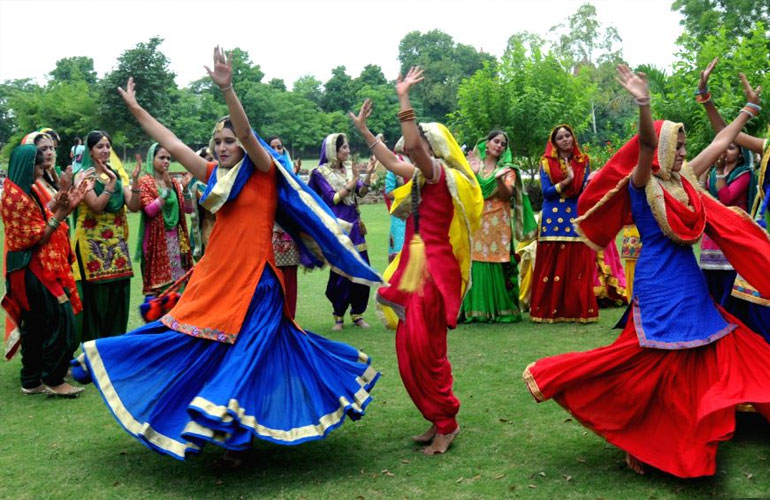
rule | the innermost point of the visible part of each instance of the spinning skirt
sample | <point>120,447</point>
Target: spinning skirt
<point>175,392</point>
<point>668,408</point>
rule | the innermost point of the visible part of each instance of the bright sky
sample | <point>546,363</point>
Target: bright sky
<point>291,38</point>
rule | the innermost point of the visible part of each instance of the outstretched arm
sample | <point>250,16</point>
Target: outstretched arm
<point>222,76</point>
<point>709,155</point>
<point>717,122</point>
<point>179,150</point>
<point>413,145</point>
<point>636,85</point>
<point>380,151</point>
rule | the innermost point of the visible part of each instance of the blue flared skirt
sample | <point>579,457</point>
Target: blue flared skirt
<point>175,392</point>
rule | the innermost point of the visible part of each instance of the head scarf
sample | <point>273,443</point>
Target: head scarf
<point>170,208</point>
<point>556,168</point>
<point>746,167</point>
<point>524,224</point>
<point>328,159</point>
<point>225,184</point>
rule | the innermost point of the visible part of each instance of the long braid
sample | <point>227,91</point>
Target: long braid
<point>416,269</point>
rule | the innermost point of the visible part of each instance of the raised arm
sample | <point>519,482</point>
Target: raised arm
<point>413,145</point>
<point>380,151</point>
<point>179,150</point>
<point>636,85</point>
<point>222,76</point>
<point>709,155</point>
<point>717,122</point>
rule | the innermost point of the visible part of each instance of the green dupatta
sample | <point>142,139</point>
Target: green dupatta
<point>747,166</point>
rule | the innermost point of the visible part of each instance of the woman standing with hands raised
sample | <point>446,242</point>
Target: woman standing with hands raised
<point>227,363</point>
<point>431,274</point>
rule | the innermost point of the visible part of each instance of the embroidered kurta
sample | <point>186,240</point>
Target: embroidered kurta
<point>492,241</point>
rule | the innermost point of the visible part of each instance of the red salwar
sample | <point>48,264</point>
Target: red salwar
<point>425,315</point>
<point>685,398</point>
<point>562,283</point>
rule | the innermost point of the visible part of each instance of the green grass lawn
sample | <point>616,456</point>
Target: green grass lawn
<point>509,446</point>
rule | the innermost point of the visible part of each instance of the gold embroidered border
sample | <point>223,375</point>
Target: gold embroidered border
<point>564,320</point>
<point>607,196</point>
<point>100,376</point>
<point>532,383</point>
<point>225,414</point>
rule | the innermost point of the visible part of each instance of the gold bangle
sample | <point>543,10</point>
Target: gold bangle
<point>406,115</point>
<point>557,186</point>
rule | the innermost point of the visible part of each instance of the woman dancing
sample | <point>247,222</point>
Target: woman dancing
<point>431,274</point>
<point>227,363</point>
<point>666,390</point>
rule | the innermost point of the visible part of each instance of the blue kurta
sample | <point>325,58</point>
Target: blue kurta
<point>558,212</point>
<point>671,305</point>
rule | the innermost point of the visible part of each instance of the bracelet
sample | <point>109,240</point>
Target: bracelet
<point>406,115</point>
<point>701,92</point>
<point>54,223</point>
<point>225,89</point>
<point>376,141</point>
<point>109,192</point>
<point>754,106</point>
<point>748,112</point>
<point>722,176</point>
<point>704,98</point>
<point>644,101</point>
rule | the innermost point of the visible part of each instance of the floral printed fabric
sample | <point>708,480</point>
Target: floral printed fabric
<point>101,240</point>
<point>492,241</point>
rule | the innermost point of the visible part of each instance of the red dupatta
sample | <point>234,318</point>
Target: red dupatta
<point>605,207</point>
<point>557,169</point>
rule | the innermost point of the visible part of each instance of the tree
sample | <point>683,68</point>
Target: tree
<point>702,17</point>
<point>154,83</point>
<point>529,94</point>
<point>193,116</point>
<point>339,92</point>
<point>371,75</point>
<point>446,64</point>
<point>309,87</point>
<point>585,42</point>
<point>277,84</point>
<point>74,68</point>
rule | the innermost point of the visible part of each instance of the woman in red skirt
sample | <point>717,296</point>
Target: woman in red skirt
<point>666,390</point>
<point>562,283</point>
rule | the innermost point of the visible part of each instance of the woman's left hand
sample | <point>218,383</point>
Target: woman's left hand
<point>371,166</point>
<point>752,95</point>
<point>359,121</point>
<point>186,179</point>
<point>65,181</point>
<point>223,69</point>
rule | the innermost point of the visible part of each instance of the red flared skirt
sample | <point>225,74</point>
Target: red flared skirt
<point>668,408</point>
<point>562,283</point>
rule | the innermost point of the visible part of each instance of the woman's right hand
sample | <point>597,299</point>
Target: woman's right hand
<point>351,186</point>
<point>129,94</point>
<point>634,83</point>
<point>359,121</point>
<point>222,75</point>
<point>474,161</point>
<point>404,84</point>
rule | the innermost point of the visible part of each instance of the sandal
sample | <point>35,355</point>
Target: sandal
<point>338,322</point>
<point>68,392</point>
<point>41,389</point>
<point>359,321</point>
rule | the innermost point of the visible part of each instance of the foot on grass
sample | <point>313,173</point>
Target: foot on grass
<point>635,464</point>
<point>441,443</point>
<point>64,390</point>
<point>426,437</point>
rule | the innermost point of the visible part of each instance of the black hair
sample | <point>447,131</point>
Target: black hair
<point>39,137</point>
<point>39,157</point>
<point>272,138</point>
<point>95,136</point>
<point>556,131</point>
<point>227,123</point>
<point>158,148</point>
<point>495,132</point>
<point>78,141</point>
<point>203,152</point>
<point>339,142</point>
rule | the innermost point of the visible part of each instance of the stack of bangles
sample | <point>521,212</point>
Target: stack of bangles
<point>702,97</point>
<point>406,115</point>
<point>108,191</point>
<point>751,109</point>
<point>54,223</point>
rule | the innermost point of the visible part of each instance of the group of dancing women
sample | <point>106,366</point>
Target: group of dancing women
<point>465,246</point>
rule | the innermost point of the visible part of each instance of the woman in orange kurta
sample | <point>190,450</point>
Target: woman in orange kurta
<point>227,363</point>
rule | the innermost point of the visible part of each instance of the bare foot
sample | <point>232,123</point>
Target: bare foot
<point>441,443</point>
<point>337,326</point>
<point>64,390</point>
<point>426,437</point>
<point>361,323</point>
<point>635,464</point>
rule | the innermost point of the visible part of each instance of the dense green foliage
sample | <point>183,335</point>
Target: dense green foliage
<point>535,85</point>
